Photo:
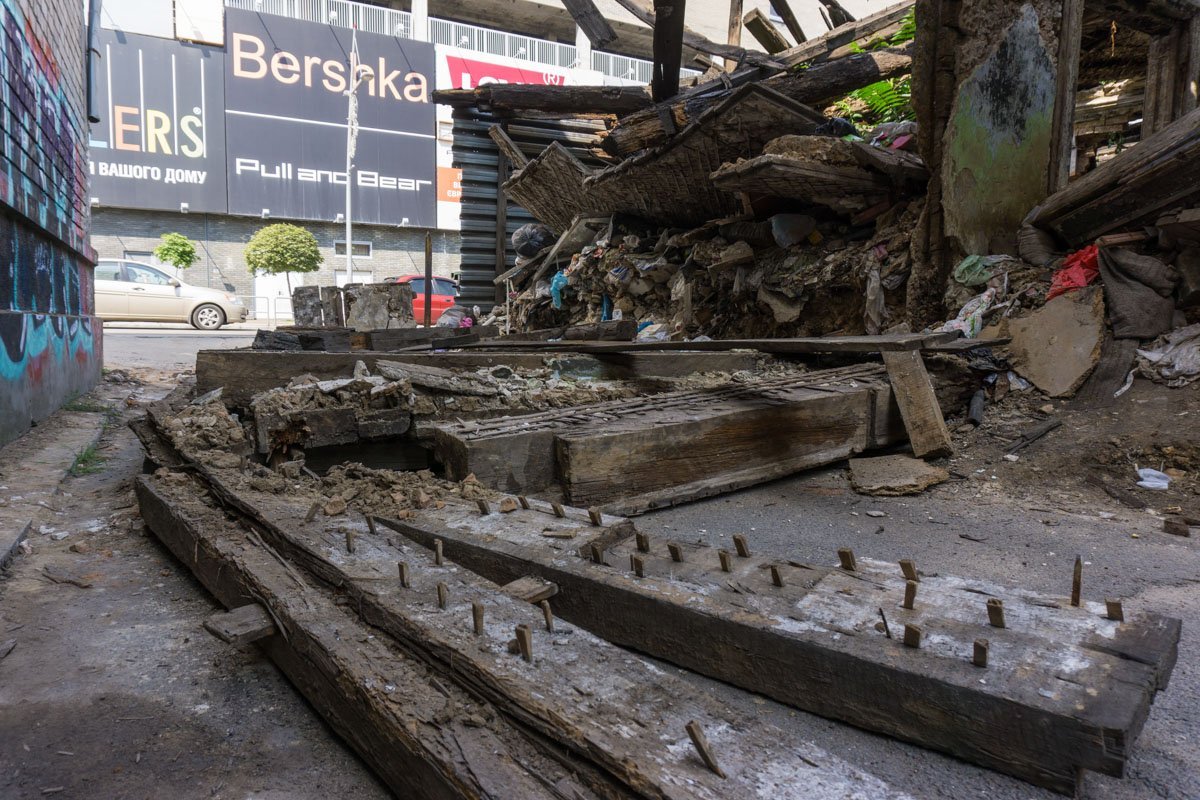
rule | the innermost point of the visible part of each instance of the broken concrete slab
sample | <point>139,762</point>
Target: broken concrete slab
<point>379,306</point>
<point>893,476</point>
<point>1057,346</point>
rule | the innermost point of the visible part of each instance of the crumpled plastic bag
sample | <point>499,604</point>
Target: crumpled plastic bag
<point>1079,269</point>
<point>978,270</point>
<point>557,284</point>
<point>531,238</point>
<point>1153,479</point>
<point>969,321</point>
<point>1173,359</point>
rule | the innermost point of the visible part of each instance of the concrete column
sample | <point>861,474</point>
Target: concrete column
<point>420,20</point>
<point>583,49</point>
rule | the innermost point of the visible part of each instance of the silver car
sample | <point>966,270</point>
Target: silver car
<point>132,291</point>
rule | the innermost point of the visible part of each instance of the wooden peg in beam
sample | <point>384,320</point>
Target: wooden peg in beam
<point>1114,610</point>
<point>477,617</point>
<point>776,576</point>
<point>912,636</point>
<point>740,544</point>
<point>676,552</point>
<point>349,540</point>
<point>403,569</point>
<point>524,501</point>
<point>485,508</point>
<point>597,553</point>
<point>980,659</point>
<point>910,594</point>
<point>547,615</point>
<point>909,568</point>
<point>700,741</point>
<point>595,516</point>
<point>995,609</point>
<point>643,542</point>
<point>639,565</point>
<point>1077,582</point>
<point>437,552</point>
<point>726,560</point>
<point>558,510</point>
<point>442,592</point>
<point>312,511</point>
<point>370,524</point>
<point>525,642</point>
<point>846,558</point>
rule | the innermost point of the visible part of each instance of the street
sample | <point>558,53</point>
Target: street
<point>167,347</point>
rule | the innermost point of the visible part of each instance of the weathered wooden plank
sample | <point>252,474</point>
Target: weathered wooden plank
<point>620,714</point>
<point>507,146</point>
<point>1066,689</point>
<point>784,9</point>
<point>245,373</point>
<point>593,24</point>
<point>927,432</point>
<point>519,455</point>
<point>800,345</point>
<point>389,706</point>
<point>1066,81</point>
<point>763,30</point>
<point>242,625</point>
<point>660,457</point>
<point>643,11</point>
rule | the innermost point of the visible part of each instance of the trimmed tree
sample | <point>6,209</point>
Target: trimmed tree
<point>177,250</point>
<point>283,248</point>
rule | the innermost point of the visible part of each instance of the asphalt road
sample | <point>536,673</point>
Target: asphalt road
<point>170,348</point>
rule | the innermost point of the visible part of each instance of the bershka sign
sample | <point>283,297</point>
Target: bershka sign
<point>285,106</point>
<point>160,142</point>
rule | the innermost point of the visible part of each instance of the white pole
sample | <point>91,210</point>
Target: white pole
<point>357,74</point>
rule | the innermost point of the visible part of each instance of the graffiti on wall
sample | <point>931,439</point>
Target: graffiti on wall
<point>43,165</point>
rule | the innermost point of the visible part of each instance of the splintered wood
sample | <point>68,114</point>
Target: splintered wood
<point>632,455</point>
<point>491,724</point>
<point>812,636</point>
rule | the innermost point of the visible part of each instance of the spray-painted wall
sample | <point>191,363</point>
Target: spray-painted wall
<point>50,340</point>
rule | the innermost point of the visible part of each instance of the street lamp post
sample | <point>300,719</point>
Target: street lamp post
<point>358,73</point>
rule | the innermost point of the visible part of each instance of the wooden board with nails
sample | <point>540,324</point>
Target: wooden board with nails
<point>1066,689</point>
<point>620,725</point>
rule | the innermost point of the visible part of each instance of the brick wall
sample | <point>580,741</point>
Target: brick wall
<point>50,347</point>
<point>221,240</point>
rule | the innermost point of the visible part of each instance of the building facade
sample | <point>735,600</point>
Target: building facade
<point>245,126</point>
<point>50,342</point>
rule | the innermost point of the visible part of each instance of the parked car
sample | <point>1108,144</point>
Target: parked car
<point>445,291</point>
<point>130,290</point>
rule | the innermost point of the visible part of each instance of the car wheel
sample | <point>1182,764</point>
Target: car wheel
<point>208,317</point>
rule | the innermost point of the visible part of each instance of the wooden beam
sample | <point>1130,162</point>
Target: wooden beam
<point>510,98</point>
<point>593,24</point>
<point>1066,77</point>
<point>810,344</point>
<point>843,35</point>
<point>784,10</point>
<point>838,15</point>
<point>763,30</point>
<point>735,30</point>
<point>793,643</point>
<point>927,432</point>
<point>668,48</point>
<point>507,146</point>
<point>645,14</point>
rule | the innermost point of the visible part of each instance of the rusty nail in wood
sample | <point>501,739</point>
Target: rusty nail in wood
<point>912,636</point>
<point>525,642</point>
<point>437,552</point>
<point>639,566</point>
<point>643,543</point>
<point>370,524</point>
<point>739,544</point>
<point>981,653</point>
<point>726,560</point>
<point>776,576</point>
<point>1115,611</point>
<point>477,617</point>
<point>558,510</point>
<point>696,733</point>
<point>597,553</point>
<point>524,501</point>
<point>312,511</point>
<point>886,628</point>
<point>403,573</point>
<point>846,557</point>
<point>995,608</point>
<point>548,615</point>
<point>349,541</point>
<point>484,507</point>
<point>441,589</point>
<point>676,551</point>
<point>595,516</point>
<point>910,594</point>
<point>909,568</point>
<point>1077,582</point>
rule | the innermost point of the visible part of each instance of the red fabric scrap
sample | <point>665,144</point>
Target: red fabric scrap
<point>1079,269</point>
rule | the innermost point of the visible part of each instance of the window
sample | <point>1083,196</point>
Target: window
<point>360,249</point>
<point>108,271</point>
<point>444,286</point>
<point>139,273</point>
<point>418,285</point>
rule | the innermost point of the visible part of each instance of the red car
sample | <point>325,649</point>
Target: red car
<point>444,293</point>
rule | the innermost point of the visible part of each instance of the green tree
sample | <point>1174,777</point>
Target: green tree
<point>283,248</point>
<point>177,250</point>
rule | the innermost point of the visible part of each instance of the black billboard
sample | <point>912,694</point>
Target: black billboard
<point>285,120</point>
<point>160,141</point>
